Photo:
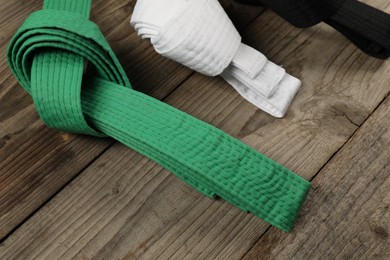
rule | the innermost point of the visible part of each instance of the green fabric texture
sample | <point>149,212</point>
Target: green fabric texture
<point>48,56</point>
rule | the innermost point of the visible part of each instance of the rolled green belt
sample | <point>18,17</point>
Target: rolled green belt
<point>48,54</point>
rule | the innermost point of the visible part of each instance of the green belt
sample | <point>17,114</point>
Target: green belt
<point>47,55</point>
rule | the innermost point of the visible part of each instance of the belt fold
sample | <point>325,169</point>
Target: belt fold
<point>367,27</point>
<point>48,54</point>
<point>200,35</point>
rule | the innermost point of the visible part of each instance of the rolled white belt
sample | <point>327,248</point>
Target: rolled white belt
<point>200,35</point>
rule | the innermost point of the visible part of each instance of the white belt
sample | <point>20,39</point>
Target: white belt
<point>200,35</point>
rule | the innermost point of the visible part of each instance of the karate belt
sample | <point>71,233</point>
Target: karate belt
<point>47,56</point>
<point>367,27</point>
<point>200,35</point>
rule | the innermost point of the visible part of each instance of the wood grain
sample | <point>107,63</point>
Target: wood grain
<point>348,213</point>
<point>36,162</point>
<point>124,206</point>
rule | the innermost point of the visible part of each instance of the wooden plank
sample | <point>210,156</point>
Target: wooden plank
<point>141,211</point>
<point>36,162</point>
<point>347,215</point>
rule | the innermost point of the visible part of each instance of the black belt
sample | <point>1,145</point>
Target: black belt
<point>367,27</point>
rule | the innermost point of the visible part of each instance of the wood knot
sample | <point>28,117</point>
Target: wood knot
<point>65,137</point>
<point>4,140</point>
<point>380,232</point>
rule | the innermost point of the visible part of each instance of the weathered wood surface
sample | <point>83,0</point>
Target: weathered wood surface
<point>125,206</point>
<point>348,213</point>
<point>36,162</point>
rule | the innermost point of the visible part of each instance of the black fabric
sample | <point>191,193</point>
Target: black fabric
<point>367,27</point>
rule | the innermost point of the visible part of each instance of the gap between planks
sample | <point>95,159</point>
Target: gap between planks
<point>240,27</point>
<point>340,150</point>
<point>355,57</point>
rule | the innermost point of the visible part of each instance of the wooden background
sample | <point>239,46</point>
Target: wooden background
<point>71,196</point>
